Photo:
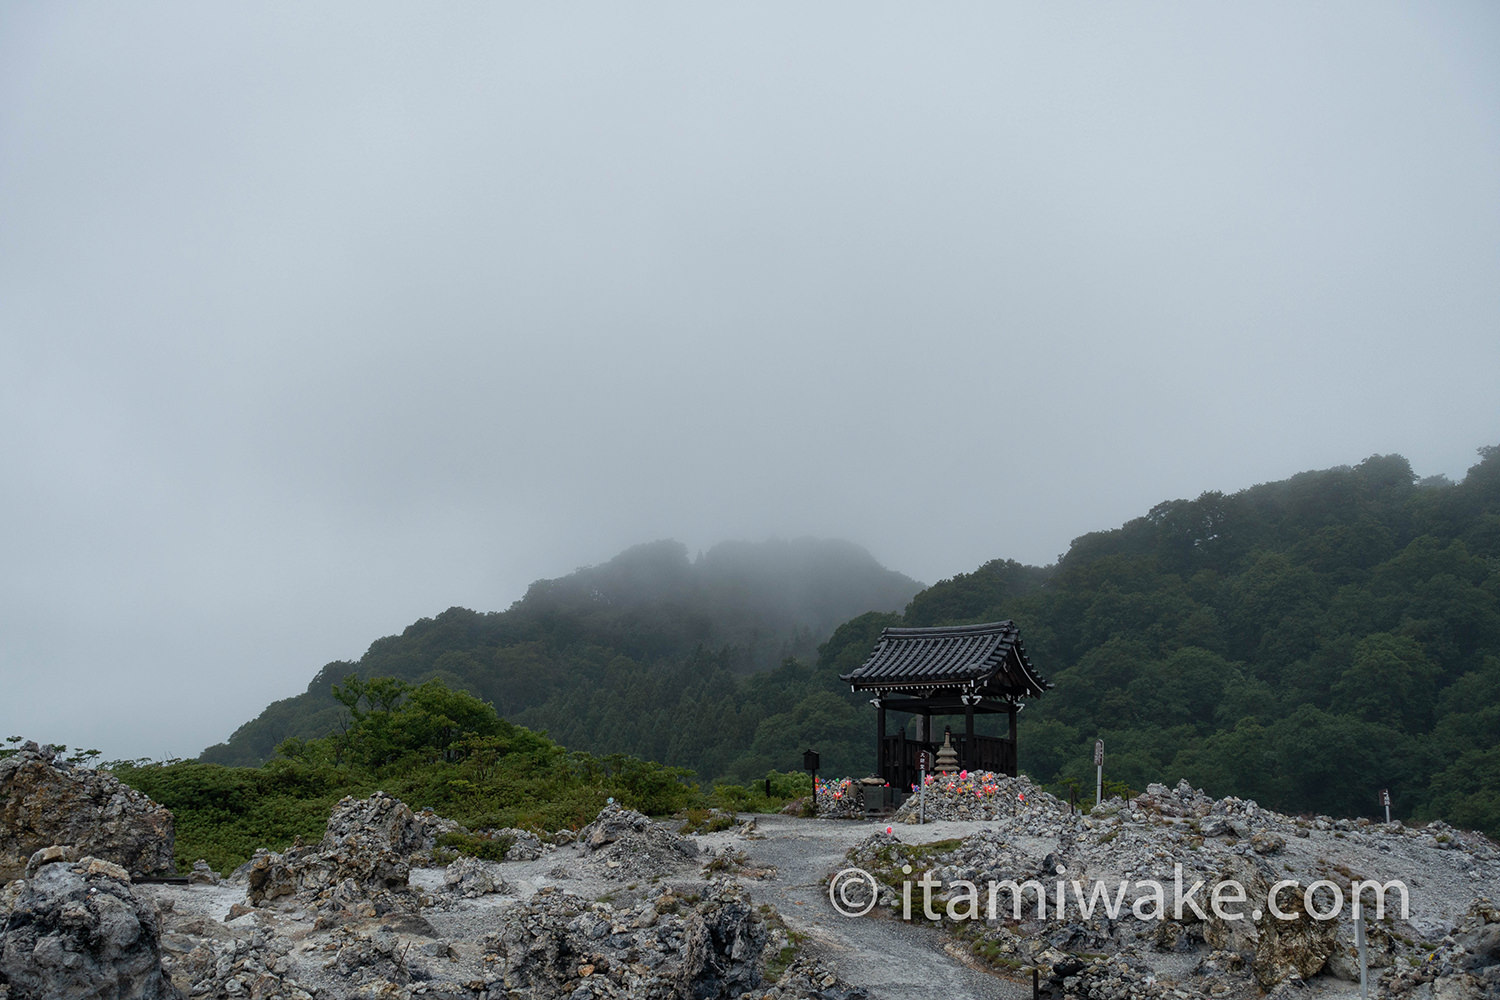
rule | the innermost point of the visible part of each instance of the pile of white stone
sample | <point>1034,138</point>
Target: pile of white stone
<point>624,845</point>
<point>986,796</point>
<point>838,798</point>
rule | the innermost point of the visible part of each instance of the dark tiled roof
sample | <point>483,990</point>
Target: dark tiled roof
<point>991,656</point>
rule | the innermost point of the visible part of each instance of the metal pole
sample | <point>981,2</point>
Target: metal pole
<point>922,795</point>
<point>1359,941</point>
<point>1036,984</point>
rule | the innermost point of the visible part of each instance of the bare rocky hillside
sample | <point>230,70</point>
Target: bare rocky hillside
<point>630,907</point>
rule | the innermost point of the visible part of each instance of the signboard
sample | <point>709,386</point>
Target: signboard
<point>1098,753</point>
<point>1385,797</point>
<point>924,760</point>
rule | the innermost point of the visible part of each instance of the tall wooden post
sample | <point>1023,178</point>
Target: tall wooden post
<point>1015,748</point>
<point>971,759</point>
<point>880,736</point>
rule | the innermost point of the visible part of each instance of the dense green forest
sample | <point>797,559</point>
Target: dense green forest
<point>1305,642</point>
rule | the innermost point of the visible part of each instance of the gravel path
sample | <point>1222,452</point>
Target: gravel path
<point>913,964</point>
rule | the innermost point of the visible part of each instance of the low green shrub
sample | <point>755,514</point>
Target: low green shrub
<point>701,820</point>
<point>784,786</point>
<point>425,745</point>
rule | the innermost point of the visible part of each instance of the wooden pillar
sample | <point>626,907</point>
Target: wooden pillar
<point>971,759</point>
<point>1015,748</point>
<point>880,737</point>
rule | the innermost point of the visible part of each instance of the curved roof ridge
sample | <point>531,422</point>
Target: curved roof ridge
<point>951,629</point>
<point>950,656</point>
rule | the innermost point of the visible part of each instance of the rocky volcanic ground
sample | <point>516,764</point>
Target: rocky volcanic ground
<point>632,908</point>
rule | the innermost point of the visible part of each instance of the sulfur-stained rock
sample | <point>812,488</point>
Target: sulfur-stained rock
<point>50,855</point>
<point>1276,949</point>
<point>46,802</point>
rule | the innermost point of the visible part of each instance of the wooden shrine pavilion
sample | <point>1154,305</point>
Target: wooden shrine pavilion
<point>963,670</point>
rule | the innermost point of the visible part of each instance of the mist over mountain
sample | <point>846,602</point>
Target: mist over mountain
<point>605,633</point>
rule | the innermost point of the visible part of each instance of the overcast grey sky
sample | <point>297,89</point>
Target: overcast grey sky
<point>318,319</point>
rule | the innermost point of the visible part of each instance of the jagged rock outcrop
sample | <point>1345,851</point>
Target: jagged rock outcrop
<point>362,865</point>
<point>1275,949</point>
<point>686,943</point>
<point>469,877</point>
<point>363,879</point>
<point>76,929</point>
<point>1466,966</point>
<point>432,826</point>
<point>379,820</point>
<point>558,944</point>
<point>613,823</point>
<point>45,802</point>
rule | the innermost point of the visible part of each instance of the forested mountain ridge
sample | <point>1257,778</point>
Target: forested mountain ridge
<point>618,657</point>
<point>1305,643</point>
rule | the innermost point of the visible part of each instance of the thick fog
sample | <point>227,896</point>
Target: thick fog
<point>318,319</point>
